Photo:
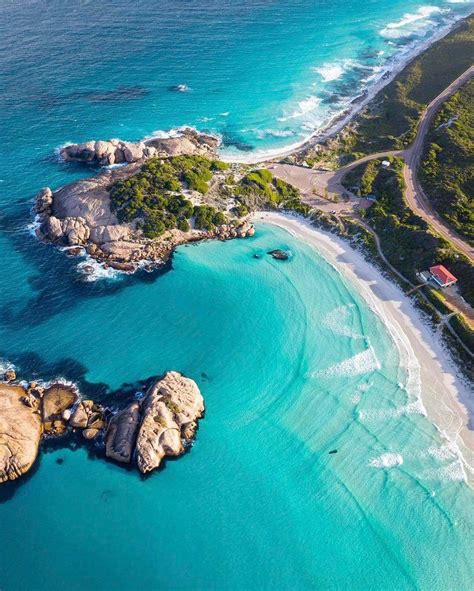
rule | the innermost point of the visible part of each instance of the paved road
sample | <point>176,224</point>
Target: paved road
<point>316,185</point>
<point>415,196</point>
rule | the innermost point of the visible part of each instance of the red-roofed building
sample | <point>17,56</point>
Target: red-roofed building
<point>442,276</point>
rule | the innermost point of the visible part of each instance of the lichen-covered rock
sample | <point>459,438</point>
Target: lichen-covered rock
<point>90,433</point>
<point>169,406</point>
<point>56,400</point>
<point>20,432</point>
<point>110,233</point>
<point>116,151</point>
<point>80,416</point>
<point>52,229</point>
<point>44,200</point>
<point>133,152</point>
<point>122,433</point>
<point>76,230</point>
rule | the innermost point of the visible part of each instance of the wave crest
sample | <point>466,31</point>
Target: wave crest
<point>387,460</point>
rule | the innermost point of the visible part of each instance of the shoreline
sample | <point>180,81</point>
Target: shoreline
<point>342,118</point>
<point>442,396</point>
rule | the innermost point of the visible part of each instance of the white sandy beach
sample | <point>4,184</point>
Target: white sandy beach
<point>433,375</point>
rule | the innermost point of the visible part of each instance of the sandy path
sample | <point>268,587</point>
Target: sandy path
<point>447,399</point>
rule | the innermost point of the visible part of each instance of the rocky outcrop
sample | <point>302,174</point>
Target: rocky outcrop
<point>9,375</point>
<point>79,215</point>
<point>122,433</point>
<point>161,425</point>
<point>20,433</point>
<point>88,416</point>
<point>105,153</point>
<point>170,412</point>
<point>158,426</point>
<point>279,255</point>
<point>56,399</point>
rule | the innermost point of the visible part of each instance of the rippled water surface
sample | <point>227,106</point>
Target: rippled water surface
<point>291,361</point>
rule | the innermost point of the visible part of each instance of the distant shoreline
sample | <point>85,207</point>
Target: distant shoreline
<point>442,395</point>
<point>343,118</point>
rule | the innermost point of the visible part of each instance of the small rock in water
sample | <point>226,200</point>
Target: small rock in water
<point>180,88</point>
<point>333,451</point>
<point>74,251</point>
<point>280,255</point>
<point>9,375</point>
<point>60,461</point>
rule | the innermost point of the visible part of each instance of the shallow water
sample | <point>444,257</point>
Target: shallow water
<point>292,365</point>
<point>291,362</point>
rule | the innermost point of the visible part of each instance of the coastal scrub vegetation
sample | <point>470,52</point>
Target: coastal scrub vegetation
<point>391,120</point>
<point>447,168</point>
<point>406,239</point>
<point>154,194</point>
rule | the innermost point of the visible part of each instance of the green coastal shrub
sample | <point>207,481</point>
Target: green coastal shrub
<point>406,239</point>
<point>447,167</point>
<point>207,217</point>
<point>392,119</point>
<point>259,189</point>
<point>153,195</point>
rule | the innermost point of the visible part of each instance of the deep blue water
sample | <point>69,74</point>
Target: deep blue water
<point>291,361</point>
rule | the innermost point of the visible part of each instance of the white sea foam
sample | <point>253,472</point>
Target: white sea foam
<point>334,70</point>
<point>356,398</point>
<point>5,365</point>
<point>307,105</point>
<point>363,362</point>
<point>163,134</point>
<point>452,472</point>
<point>412,408</point>
<point>443,452</point>
<point>33,227</point>
<point>387,460</point>
<point>330,72</point>
<point>412,23</point>
<point>337,321</point>
<point>92,270</point>
<point>114,166</point>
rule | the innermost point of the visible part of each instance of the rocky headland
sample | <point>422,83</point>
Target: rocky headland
<point>84,215</point>
<point>160,424</point>
<point>115,151</point>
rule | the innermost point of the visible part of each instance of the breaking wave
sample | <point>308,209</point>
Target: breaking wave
<point>412,408</point>
<point>361,363</point>
<point>387,460</point>
<point>307,105</point>
<point>338,319</point>
<point>412,23</point>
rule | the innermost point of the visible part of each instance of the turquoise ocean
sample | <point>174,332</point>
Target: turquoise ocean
<point>290,359</point>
